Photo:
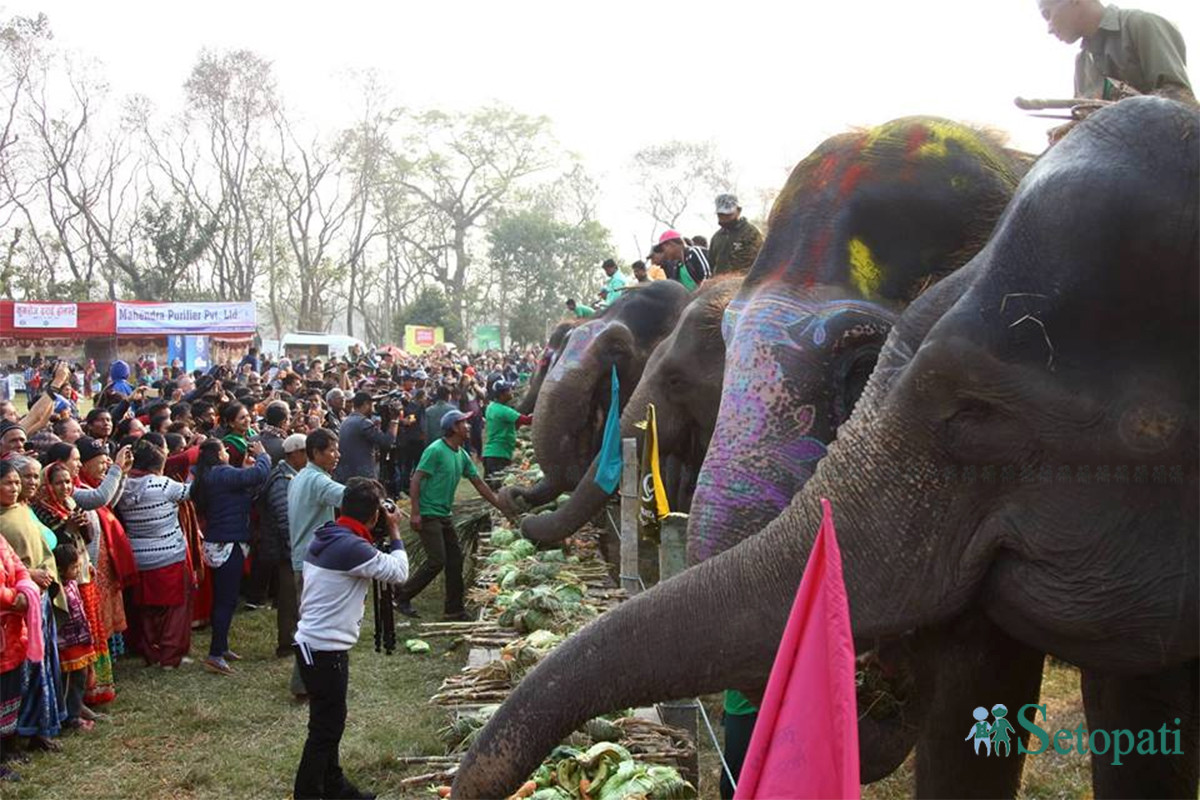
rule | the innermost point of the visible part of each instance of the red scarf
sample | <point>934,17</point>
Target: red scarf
<point>113,531</point>
<point>356,527</point>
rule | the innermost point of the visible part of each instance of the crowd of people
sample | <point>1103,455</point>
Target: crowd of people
<point>179,495</point>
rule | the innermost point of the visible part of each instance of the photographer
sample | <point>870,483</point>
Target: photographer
<point>338,569</point>
<point>359,438</point>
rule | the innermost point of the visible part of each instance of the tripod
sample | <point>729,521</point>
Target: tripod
<point>385,617</point>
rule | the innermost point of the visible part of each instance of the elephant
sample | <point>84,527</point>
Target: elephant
<point>573,398</point>
<point>682,379</point>
<point>864,224</point>
<point>984,474</point>
<point>553,347</point>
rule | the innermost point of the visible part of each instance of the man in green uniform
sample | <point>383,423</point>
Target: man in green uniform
<point>431,491</point>
<point>1136,47</point>
<point>502,423</point>
<point>580,310</point>
<point>735,246</point>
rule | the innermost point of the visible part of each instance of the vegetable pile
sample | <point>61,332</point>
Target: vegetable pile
<point>605,771</point>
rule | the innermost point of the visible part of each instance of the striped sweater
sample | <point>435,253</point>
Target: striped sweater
<point>149,508</point>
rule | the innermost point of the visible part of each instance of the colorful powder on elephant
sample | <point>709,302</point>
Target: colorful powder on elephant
<point>576,349</point>
<point>763,421</point>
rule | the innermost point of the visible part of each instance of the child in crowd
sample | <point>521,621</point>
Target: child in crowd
<point>75,650</point>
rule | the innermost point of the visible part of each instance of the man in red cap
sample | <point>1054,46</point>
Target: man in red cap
<point>682,262</point>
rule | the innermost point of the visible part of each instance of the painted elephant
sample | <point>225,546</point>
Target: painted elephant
<point>553,347</point>
<point>683,380</point>
<point>573,399</point>
<point>1025,450</point>
<point>864,225</point>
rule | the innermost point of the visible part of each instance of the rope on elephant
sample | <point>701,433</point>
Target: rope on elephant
<point>712,734</point>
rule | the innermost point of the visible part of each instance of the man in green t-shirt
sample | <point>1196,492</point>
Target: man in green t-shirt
<point>579,309</point>
<point>502,423</point>
<point>431,492</point>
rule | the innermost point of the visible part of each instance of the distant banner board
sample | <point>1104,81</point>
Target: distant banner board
<point>487,337</point>
<point>191,351</point>
<point>419,338</point>
<point>186,318</point>
<point>45,315</point>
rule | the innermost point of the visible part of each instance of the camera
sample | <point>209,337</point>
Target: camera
<point>380,531</point>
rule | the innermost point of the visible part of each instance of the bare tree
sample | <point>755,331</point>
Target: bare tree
<point>672,176</point>
<point>308,186</point>
<point>364,149</point>
<point>465,166</point>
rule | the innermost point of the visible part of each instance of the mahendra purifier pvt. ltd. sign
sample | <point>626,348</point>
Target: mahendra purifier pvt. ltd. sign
<point>186,318</point>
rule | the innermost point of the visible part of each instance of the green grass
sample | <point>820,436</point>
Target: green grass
<point>188,733</point>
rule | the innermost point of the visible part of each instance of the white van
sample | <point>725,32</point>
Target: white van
<point>324,345</point>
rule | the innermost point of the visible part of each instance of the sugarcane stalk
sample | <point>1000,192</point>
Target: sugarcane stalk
<point>431,777</point>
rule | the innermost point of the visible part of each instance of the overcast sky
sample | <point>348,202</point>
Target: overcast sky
<point>766,81</point>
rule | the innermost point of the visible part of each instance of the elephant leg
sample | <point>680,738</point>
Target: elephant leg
<point>977,664</point>
<point>1146,702</point>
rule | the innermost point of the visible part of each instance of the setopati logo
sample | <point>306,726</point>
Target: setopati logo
<point>995,737</point>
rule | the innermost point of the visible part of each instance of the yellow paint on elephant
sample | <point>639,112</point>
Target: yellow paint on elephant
<point>939,135</point>
<point>865,273</point>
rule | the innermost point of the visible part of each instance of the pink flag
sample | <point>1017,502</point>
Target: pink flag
<point>805,743</point>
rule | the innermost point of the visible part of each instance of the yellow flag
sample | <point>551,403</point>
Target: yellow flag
<point>653,494</point>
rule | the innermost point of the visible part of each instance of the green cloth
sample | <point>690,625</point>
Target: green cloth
<point>240,442</point>
<point>444,467</point>
<point>1137,47</point>
<point>612,289</point>
<point>736,703</point>
<point>501,430</point>
<point>734,249</point>
<point>583,311</point>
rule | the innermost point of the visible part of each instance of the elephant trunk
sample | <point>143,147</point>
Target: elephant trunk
<point>540,493</point>
<point>586,502</point>
<point>693,634</point>
<point>588,498</point>
<point>736,498</point>
<point>716,626</point>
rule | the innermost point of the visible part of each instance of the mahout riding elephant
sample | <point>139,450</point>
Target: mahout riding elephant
<point>573,399</point>
<point>1024,454</point>
<point>549,354</point>
<point>682,379</point>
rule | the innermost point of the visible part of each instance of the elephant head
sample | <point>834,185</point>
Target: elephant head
<point>573,399</point>
<point>549,355</point>
<point>682,379</point>
<point>864,225</point>
<point>1067,349</point>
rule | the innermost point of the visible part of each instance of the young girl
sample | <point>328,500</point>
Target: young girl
<point>75,649</point>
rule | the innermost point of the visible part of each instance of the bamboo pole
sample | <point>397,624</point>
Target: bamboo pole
<point>630,503</point>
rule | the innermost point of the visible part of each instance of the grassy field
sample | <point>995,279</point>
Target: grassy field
<point>190,734</point>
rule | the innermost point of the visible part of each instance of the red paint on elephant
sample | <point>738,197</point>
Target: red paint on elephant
<point>851,178</point>
<point>916,137</point>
